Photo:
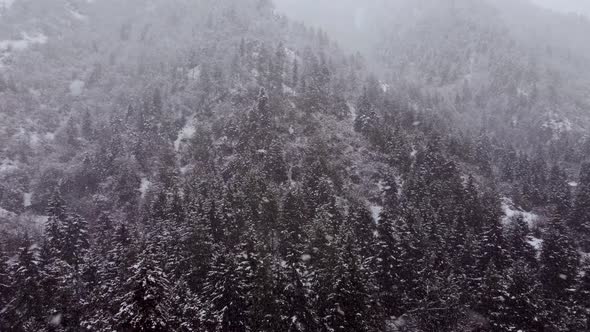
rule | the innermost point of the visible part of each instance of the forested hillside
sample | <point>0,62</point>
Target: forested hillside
<point>212,165</point>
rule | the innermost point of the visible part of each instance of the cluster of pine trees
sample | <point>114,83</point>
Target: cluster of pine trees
<point>253,247</point>
<point>265,220</point>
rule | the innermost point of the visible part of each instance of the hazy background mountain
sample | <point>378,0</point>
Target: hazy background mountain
<point>567,6</point>
<point>216,165</point>
<point>513,44</point>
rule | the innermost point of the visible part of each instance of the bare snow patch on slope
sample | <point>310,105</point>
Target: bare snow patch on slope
<point>23,43</point>
<point>9,46</point>
<point>194,74</point>
<point>144,186</point>
<point>185,134</point>
<point>511,211</point>
<point>77,87</point>
<point>27,199</point>
<point>5,214</point>
<point>291,55</point>
<point>557,125</point>
<point>376,212</point>
<point>352,110</point>
<point>8,165</point>
<point>536,243</point>
<point>77,15</point>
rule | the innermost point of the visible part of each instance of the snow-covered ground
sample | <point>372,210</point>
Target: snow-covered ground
<point>7,165</point>
<point>557,125</point>
<point>8,46</point>
<point>77,87</point>
<point>185,134</point>
<point>291,55</point>
<point>144,186</point>
<point>194,74</point>
<point>511,211</point>
<point>414,152</point>
<point>77,15</point>
<point>288,90</point>
<point>23,43</point>
<point>27,198</point>
<point>5,214</point>
<point>352,110</point>
<point>536,243</point>
<point>376,212</point>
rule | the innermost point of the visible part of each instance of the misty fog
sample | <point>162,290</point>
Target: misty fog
<point>294,166</point>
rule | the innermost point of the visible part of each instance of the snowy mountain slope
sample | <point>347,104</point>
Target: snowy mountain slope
<point>497,66</point>
<point>210,165</point>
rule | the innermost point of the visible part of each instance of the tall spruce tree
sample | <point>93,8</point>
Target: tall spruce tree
<point>558,273</point>
<point>225,293</point>
<point>144,300</point>
<point>25,311</point>
<point>580,216</point>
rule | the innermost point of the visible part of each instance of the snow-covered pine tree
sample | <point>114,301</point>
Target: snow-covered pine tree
<point>225,293</point>
<point>300,315</point>
<point>76,240</point>
<point>559,193</point>
<point>349,301</point>
<point>492,298</point>
<point>144,300</point>
<point>524,301</point>
<point>583,295</point>
<point>112,271</point>
<point>387,265</point>
<point>5,288</point>
<point>580,216</point>
<point>292,228</point>
<point>56,224</point>
<point>559,263</point>
<point>360,220</point>
<point>517,239</point>
<point>24,311</point>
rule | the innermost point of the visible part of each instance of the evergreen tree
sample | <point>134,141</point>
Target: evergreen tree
<point>292,228</point>
<point>197,249</point>
<point>274,163</point>
<point>267,310</point>
<point>559,261</point>
<point>558,273</point>
<point>112,271</point>
<point>494,293</point>
<point>580,216</point>
<point>350,304</point>
<point>76,240</point>
<point>300,315</point>
<point>524,303</point>
<point>519,247</point>
<point>559,192</point>
<point>388,261</point>
<point>360,220</point>
<point>65,295</point>
<point>24,311</point>
<point>225,293</point>
<point>583,295</point>
<point>56,224</point>
<point>5,288</point>
<point>145,298</point>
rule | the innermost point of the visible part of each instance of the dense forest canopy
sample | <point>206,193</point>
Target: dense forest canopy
<point>235,166</point>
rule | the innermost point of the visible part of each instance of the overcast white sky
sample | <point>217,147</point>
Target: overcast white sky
<point>577,6</point>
